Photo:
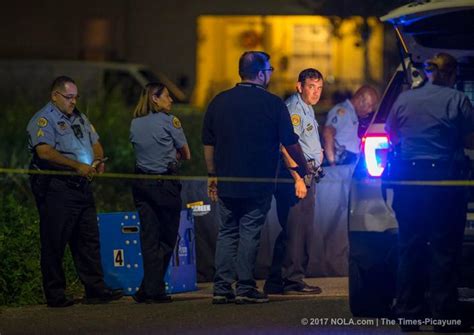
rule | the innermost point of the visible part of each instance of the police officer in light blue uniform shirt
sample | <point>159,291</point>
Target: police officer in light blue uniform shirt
<point>344,119</point>
<point>159,143</point>
<point>73,136</point>
<point>429,128</point>
<point>61,138</point>
<point>155,138</point>
<point>306,127</point>
<point>296,216</point>
<point>341,140</point>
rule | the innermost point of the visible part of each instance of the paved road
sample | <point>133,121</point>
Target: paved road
<point>193,313</point>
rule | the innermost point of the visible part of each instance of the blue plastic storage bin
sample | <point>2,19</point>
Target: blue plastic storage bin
<point>122,259</point>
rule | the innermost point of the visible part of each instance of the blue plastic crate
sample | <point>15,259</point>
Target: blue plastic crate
<point>122,259</point>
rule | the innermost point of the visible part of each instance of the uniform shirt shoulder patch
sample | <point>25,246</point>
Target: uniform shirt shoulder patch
<point>295,119</point>
<point>40,133</point>
<point>341,111</point>
<point>176,122</point>
<point>42,122</point>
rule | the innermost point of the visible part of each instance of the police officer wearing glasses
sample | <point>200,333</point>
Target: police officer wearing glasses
<point>62,139</point>
<point>429,127</point>
<point>159,143</point>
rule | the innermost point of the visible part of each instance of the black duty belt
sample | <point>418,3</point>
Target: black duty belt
<point>76,182</point>
<point>426,169</point>
<point>141,171</point>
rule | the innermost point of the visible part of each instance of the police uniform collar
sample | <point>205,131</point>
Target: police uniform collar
<point>246,84</point>
<point>429,83</point>
<point>349,104</point>
<point>301,101</point>
<point>161,111</point>
<point>76,112</point>
<point>56,110</point>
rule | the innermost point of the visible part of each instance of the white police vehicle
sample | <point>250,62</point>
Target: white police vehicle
<point>423,28</point>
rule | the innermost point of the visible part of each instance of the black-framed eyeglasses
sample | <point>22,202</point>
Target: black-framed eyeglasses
<point>271,68</point>
<point>68,97</point>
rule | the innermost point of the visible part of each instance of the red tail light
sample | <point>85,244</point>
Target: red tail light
<point>375,149</point>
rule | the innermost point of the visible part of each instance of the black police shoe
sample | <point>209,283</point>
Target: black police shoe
<point>157,299</point>
<point>103,297</point>
<point>273,288</point>
<point>305,290</point>
<point>60,303</point>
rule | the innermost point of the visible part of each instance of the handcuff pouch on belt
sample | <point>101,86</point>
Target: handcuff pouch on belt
<point>173,168</point>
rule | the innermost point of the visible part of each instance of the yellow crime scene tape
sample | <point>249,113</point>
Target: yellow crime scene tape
<point>431,182</point>
<point>468,183</point>
<point>139,176</point>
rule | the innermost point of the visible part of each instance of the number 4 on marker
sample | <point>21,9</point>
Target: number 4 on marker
<point>118,257</point>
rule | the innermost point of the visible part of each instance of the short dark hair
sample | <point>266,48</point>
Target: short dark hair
<point>60,81</point>
<point>441,66</point>
<point>251,63</point>
<point>442,62</point>
<point>309,74</point>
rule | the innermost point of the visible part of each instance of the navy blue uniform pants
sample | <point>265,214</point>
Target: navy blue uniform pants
<point>159,205</point>
<point>431,227</point>
<point>290,254</point>
<point>67,216</point>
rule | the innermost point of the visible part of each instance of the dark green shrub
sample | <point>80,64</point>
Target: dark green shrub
<point>20,275</point>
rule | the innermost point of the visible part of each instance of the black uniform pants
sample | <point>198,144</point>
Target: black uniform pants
<point>67,215</point>
<point>159,205</point>
<point>431,227</point>
<point>290,253</point>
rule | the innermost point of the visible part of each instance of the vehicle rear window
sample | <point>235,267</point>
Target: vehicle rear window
<point>396,86</point>
<point>465,80</point>
<point>454,30</point>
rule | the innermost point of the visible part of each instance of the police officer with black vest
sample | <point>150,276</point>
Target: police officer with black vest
<point>429,127</point>
<point>62,139</point>
<point>159,143</point>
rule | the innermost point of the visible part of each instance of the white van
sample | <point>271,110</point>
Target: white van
<point>30,79</point>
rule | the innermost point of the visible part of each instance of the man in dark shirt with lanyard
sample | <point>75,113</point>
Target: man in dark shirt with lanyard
<point>242,132</point>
